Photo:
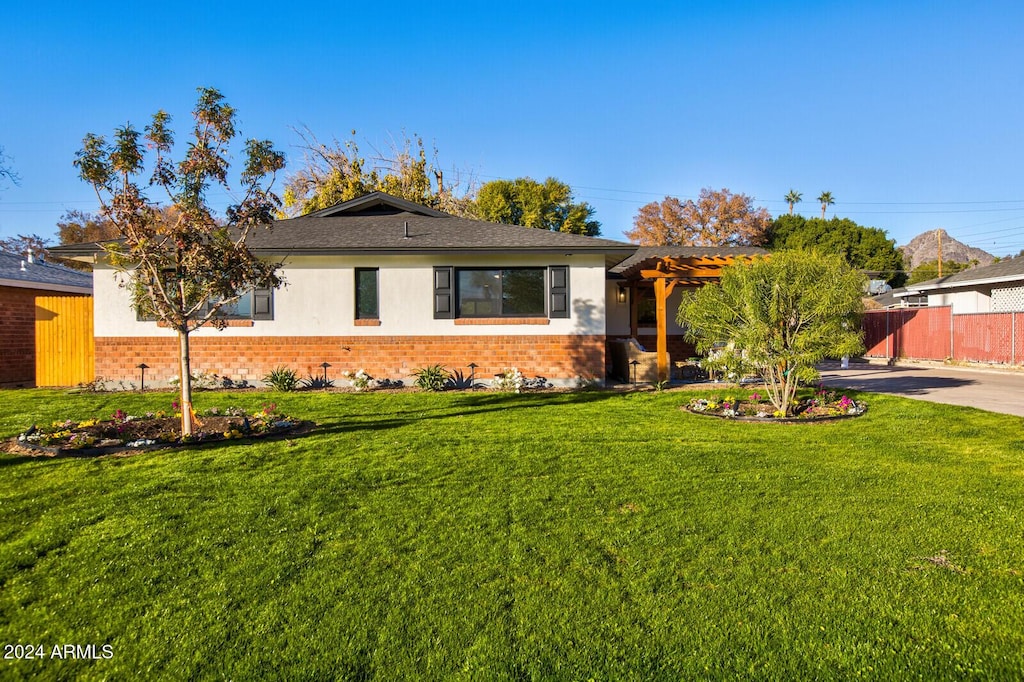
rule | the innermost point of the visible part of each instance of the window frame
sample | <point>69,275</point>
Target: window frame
<point>254,298</point>
<point>358,314</point>
<point>557,301</point>
<point>500,298</point>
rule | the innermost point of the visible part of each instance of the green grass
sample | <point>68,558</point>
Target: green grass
<point>547,536</point>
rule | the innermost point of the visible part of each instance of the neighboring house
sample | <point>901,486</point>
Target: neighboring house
<point>896,298</point>
<point>388,286</point>
<point>23,280</point>
<point>990,289</point>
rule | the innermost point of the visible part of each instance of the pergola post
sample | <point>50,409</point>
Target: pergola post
<point>663,287</point>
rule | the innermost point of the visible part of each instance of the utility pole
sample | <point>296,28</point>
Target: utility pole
<point>938,235</point>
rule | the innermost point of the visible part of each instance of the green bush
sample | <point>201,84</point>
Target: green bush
<point>432,378</point>
<point>282,379</point>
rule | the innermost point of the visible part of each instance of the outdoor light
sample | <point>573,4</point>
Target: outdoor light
<point>621,295</point>
<point>472,371</point>
<point>325,365</point>
<point>634,363</point>
<point>142,380</point>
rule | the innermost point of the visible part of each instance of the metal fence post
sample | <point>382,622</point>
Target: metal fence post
<point>888,340</point>
<point>952,336</point>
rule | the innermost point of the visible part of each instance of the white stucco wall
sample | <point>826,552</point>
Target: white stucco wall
<point>318,299</point>
<point>618,313</point>
<point>962,302</point>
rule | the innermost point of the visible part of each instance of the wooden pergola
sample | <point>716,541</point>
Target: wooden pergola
<point>686,266</point>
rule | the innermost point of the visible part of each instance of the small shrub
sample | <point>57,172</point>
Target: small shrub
<point>97,385</point>
<point>432,378</point>
<point>536,383</point>
<point>202,380</point>
<point>389,383</point>
<point>509,381</point>
<point>282,379</point>
<point>460,382</point>
<point>316,383</point>
<point>360,380</point>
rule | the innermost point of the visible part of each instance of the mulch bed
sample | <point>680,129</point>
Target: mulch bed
<point>798,419</point>
<point>111,438</point>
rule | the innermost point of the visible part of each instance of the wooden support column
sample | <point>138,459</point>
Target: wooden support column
<point>662,290</point>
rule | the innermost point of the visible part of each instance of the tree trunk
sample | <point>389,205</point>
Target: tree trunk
<point>186,385</point>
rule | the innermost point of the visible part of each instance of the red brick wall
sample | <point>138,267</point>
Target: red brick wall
<point>17,336</point>
<point>393,357</point>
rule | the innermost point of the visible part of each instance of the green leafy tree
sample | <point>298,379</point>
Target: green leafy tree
<point>826,200</point>
<point>337,172</point>
<point>865,248</point>
<point>930,270</point>
<point>524,201</point>
<point>793,198</point>
<point>779,315</point>
<point>183,272</point>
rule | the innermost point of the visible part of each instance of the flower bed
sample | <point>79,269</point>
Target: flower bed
<point>824,404</point>
<point>124,432</point>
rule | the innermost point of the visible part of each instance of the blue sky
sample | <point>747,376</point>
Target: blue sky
<point>909,113</point>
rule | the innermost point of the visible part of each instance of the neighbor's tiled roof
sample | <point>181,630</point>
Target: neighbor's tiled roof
<point>1011,269</point>
<point>644,253</point>
<point>41,275</point>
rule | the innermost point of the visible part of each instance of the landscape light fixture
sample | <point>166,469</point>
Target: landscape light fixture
<point>142,379</point>
<point>472,372</point>
<point>634,363</point>
<point>325,365</point>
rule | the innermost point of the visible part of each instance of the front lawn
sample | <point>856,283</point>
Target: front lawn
<point>536,536</point>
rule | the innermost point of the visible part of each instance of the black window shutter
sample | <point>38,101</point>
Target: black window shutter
<point>263,304</point>
<point>444,293</point>
<point>558,290</point>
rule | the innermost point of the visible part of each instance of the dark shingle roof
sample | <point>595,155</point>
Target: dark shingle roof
<point>381,224</point>
<point>647,252</point>
<point>41,275</point>
<point>1011,269</point>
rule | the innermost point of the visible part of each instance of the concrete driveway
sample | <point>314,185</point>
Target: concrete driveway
<point>987,389</point>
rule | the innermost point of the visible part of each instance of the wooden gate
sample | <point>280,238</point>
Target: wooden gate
<point>65,352</point>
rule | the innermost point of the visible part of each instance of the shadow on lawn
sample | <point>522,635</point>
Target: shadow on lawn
<point>463,405</point>
<point>471,404</point>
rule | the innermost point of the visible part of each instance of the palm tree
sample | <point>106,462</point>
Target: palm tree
<point>792,198</point>
<point>825,199</point>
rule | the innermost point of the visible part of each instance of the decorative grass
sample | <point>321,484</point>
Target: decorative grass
<point>536,536</point>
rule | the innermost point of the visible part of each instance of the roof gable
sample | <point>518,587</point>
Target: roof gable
<point>381,224</point>
<point>375,203</point>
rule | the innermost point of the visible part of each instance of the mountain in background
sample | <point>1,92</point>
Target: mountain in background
<point>924,248</point>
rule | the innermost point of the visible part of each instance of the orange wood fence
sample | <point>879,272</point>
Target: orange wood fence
<point>65,354</point>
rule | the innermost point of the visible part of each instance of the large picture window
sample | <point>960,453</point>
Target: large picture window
<point>500,292</point>
<point>529,293</point>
